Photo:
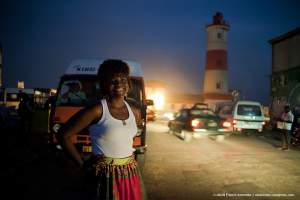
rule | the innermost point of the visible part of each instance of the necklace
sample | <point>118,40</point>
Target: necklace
<point>122,110</point>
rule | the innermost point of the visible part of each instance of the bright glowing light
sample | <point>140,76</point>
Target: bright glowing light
<point>158,99</point>
<point>194,122</point>
<point>169,115</point>
<point>226,124</point>
<point>37,92</point>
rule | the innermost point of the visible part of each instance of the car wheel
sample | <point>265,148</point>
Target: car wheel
<point>182,134</point>
<point>186,136</point>
<point>259,130</point>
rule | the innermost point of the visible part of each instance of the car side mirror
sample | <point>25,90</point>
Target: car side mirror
<point>149,102</point>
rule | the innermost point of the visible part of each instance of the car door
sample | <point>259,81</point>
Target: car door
<point>182,120</point>
<point>173,123</point>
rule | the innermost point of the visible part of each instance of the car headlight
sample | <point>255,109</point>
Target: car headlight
<point>56,127</point>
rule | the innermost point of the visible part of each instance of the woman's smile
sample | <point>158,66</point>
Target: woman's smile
<point>119,89</point>
<point>119,85</point>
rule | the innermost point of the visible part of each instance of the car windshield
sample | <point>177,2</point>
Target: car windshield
<point>250,110</point>
<point>78,91</point>
<point>201,112</point>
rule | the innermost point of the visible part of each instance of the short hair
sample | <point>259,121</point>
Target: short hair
<point>108,69</point>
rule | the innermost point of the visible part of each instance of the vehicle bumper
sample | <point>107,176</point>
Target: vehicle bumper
<point>240,125</point>
<point>199,133</point>
<point>140,149</point>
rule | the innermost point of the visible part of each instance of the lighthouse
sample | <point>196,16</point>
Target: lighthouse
<point>215,86</point>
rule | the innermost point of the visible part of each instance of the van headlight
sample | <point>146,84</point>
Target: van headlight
<point>56,127</point>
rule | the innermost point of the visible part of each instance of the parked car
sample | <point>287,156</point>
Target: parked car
<point>196,122</point>
<point>151,115</point>
<point>248,115</point>
<point>9,120</point>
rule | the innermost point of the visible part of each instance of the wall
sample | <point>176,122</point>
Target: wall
<point>286,54</point>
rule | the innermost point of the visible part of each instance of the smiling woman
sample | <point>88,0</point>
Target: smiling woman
<point>112,125</point>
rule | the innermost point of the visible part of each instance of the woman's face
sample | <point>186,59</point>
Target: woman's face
<point>118,85</point>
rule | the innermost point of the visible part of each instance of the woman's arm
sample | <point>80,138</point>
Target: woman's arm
<point>75,124</point>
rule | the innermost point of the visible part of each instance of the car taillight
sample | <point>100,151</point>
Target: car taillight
<point>226,124</point>
<point>234,123</point>
<point>196,123</point>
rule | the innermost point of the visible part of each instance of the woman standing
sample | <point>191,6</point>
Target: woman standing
<point>112,125</point>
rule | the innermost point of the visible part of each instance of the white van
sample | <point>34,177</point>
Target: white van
<point>248,115</point>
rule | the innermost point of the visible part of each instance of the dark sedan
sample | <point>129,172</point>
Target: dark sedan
<point>9,120</point>
<point>198,122</point>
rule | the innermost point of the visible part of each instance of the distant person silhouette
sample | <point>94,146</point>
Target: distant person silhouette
<point>25,111</point>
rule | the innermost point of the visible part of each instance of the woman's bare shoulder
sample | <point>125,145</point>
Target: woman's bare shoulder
<point>96,110</point>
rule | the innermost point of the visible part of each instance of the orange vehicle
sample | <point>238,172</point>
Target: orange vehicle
<point>79,87</point>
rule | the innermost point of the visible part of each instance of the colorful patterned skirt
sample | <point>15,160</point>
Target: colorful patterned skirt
<point>118,179</point>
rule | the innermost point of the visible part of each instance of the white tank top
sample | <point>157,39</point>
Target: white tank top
<point>112,137</point>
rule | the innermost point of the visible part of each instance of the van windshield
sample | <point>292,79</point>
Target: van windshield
<point>78,92</point>
<point>250,110</point>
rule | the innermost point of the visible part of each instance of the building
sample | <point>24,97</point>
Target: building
<point>285,77</point>
<point>215,80</point>
<point>215,86</point>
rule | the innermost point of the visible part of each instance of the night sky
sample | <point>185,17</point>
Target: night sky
<point>40,38</point>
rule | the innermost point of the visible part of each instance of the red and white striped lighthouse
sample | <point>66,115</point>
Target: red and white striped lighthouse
<point>215,87</point>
